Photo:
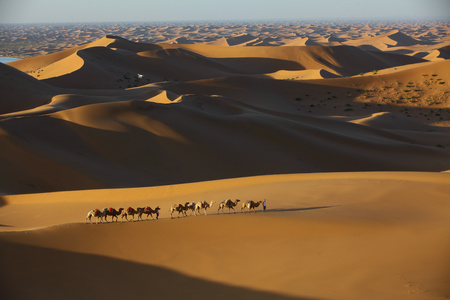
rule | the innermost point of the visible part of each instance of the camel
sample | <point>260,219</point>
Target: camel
<point>203,204</point>
<point>253,205</point>
<point>228,203</point>
<point>191,207</point>
<point>180,209</point>
<point>94,213</point>
<point>149,211</point>
<point>130,212</point>
<point>112,212</point>
<point>244,206</point>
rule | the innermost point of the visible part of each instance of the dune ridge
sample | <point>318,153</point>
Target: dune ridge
<point>87,123</point>
<point>171,61</point>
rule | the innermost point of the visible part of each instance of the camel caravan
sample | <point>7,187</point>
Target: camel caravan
<point>181,209</point>
<point>124,213</point>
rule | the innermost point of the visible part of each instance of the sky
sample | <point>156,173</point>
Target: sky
<point>81,11</point>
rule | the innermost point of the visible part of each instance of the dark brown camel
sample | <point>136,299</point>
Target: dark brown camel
<point>253,205</point>
<point>130,212</point>
<point>149,212</point>
<point>112,212</point>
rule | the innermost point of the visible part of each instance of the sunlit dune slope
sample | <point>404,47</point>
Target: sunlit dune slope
<point>368,235</point>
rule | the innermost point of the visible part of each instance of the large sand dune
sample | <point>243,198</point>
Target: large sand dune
<point>120,138</point>
<point>345,133</point>
<point>324,236</point>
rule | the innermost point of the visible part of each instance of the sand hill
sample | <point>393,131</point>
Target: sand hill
<point>349,145</point>
<point>394,38</point>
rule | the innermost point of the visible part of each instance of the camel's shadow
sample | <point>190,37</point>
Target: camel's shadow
<point>276,210</point>
<point>299,208</point>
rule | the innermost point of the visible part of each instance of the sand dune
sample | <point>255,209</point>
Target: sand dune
<point>21,92</point>
<point>175,125</point>
<point>439,54</point>
<point>94,140</point>
<point>239,40</point>
<point>344,131</point>
<point>298,75</point>
<point>381,232</point>
<point>301,42</point>
<point>394,38</point>
<point>114,62</point>
<point>26,41</point>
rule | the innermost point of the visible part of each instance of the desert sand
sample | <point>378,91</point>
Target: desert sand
<point>343,129</point>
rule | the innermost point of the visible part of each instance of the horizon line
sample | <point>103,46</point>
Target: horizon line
<point>239,21</point>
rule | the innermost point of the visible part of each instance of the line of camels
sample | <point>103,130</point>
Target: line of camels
<point>194,208</point>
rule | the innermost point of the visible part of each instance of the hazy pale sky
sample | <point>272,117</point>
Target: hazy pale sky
<point>51,11</point>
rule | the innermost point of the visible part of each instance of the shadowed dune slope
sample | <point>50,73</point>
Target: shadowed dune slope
<point>141,143</point>
<point>20,91</point>
<point>114,278</point>
<point>439,54</point>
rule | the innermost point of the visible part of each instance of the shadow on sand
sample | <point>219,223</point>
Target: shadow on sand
<point>299,209</point>
<point>30,272</point>
<point>2,202</point>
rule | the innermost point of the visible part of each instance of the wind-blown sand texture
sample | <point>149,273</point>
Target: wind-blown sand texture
<point>348,144</point>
